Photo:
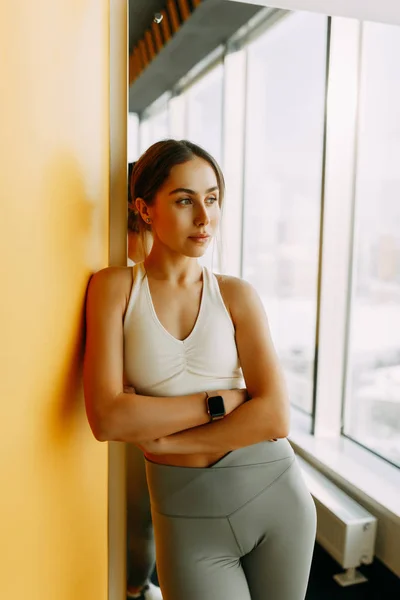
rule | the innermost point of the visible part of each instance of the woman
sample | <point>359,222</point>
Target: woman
<point>231,514</point>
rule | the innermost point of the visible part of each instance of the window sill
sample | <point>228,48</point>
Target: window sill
<point>353,468</point>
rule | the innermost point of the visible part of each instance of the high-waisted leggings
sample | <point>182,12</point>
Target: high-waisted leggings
<point>242,529</point>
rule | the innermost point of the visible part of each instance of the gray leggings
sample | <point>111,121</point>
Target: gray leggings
<point>139,534</point>
<point>243,529</point>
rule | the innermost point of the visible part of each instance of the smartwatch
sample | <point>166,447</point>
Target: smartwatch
<point>215,407</point>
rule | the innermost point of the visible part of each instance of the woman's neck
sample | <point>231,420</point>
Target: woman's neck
<point>172,267</point>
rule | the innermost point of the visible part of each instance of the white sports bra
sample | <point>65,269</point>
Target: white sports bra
<point>158,364</point>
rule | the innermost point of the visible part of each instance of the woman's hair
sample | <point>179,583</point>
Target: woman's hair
<point>153,168</point>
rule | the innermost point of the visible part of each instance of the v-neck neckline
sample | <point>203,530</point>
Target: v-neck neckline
<point>157,320</point>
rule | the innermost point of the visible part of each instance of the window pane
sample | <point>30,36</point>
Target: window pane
<point>133,137</point>
<point>177,117</point>
<point>153,129</point>
<point>284,146</point>
<point>204,127</point>
<point>372,414</point>
<point>233,154</point>
<point>159,126</point>
<point>205,112</point>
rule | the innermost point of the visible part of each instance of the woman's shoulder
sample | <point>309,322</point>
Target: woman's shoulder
<point>237,293</point>
<point>233,285</point>
<point>111,284</point>
<point>111,276</point>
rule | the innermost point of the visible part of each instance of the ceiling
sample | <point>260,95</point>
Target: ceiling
<point>141,14</point>
<point>210,25</point>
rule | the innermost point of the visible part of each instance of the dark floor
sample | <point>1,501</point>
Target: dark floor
<point>382,584</point>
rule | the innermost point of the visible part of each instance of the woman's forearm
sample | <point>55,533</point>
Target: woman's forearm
<point>134,418</point>
<point>255,421</point>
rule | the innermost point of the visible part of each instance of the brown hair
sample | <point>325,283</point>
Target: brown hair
<point>153,168</point>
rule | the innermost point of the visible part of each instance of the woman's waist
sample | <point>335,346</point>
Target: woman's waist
<point>263,452</point>
<point>193,461</point>
<point>222,485</point>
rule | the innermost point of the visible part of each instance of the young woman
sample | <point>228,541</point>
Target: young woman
<point>232,517</point>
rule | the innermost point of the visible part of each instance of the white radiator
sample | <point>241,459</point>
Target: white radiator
<point>344,529</point>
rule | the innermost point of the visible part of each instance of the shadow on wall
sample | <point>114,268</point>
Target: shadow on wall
<point>75,232</point>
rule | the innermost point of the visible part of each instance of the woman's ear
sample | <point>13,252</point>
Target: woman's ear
<point>142,209</point>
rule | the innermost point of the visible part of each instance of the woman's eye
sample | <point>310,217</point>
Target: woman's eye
<point>184,201</point>
<point>211,200</point>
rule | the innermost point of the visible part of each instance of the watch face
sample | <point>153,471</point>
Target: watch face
<point>216,406</point>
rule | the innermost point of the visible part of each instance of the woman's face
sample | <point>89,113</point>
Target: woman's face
<point>185,214</point>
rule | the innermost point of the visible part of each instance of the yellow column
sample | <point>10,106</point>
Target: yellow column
<point>54,232</point>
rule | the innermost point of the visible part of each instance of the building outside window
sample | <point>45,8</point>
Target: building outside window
<point>283,175</point>
<point>372,403</point>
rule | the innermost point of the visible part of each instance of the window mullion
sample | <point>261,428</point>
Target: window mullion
<point>337,224</point>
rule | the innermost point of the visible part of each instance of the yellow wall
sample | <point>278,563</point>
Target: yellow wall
<point>54,169</point>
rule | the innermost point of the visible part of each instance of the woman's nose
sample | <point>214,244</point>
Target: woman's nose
<point>201,217</point>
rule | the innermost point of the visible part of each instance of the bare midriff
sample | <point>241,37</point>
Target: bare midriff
<point>186,460</point>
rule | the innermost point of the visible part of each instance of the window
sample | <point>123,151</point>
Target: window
<point>133,137</point>
<point>177,117</point>
<point>204,105</point>
<point>233,157</point>
<point>372,403</point>
<point>153,129</point>
<point>284,149</point>
<point>204,127</point>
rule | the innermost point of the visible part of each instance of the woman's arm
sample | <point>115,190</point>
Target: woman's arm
<point>113,414</point>
<point>266,415</point>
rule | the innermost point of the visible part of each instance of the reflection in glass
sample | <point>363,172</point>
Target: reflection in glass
<point>372,414</point>
<point>284,146</point>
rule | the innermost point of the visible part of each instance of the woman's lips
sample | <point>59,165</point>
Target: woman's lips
<point>200,239</point>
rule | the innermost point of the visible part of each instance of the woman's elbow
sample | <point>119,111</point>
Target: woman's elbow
<point>101,425</point>
<point>109,428</point>
<point>282,432</point>
<point>277,423</point>
<point>102,418</point>
<point>100,430</point>
<point>282,426</point>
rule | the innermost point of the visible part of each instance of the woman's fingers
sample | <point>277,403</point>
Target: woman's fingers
<point>129,389</point>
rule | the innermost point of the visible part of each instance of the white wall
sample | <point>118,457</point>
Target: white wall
<point>385,11</point>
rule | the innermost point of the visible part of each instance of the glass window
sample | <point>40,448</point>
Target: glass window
<point>233,157</point>
<point>133,137</point>
<point>284,150</point>
<point>177,117</point>
<point>204,105</point>
<point>153,129</point>
<point>372,405</point>
<point>204,127</point>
